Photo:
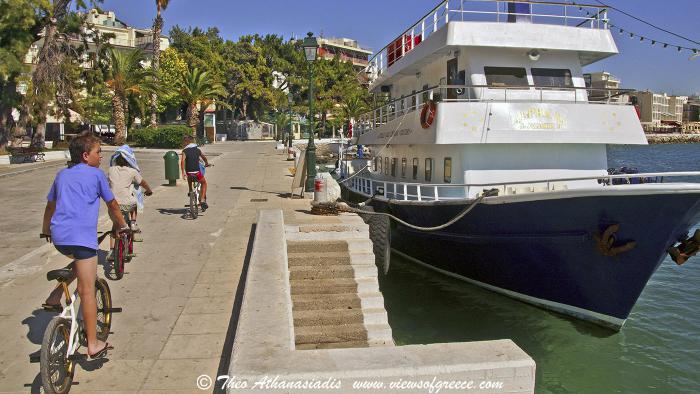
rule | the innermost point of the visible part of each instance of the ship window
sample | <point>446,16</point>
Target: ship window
<point>379,164</point>
<point>556,77</point>
<point>505,76</point>
<point>403,167</point>
<point>428,169</point>
<point>393,166</point>
<point>448,170</point>
<point>415,168</point>
<point>386,165</point>
<point>376,165</point>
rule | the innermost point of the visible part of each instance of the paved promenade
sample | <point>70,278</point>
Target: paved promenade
<point>181,292</point>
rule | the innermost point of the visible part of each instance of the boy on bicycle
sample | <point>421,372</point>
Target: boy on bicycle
<point>70,222</point>
<point>190,167</point>
<point>123,174</point>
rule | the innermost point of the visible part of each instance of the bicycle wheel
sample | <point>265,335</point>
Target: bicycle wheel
<point>194,210</point>
<point>56,370</point>
<point>104,308</point>
<point>130,247</point>
<point>119,256</point>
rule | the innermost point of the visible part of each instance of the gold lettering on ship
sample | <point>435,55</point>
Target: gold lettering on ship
<point>538,119</point>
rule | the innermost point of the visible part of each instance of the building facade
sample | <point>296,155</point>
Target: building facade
<point>348,50</point>
<point>608,85</point>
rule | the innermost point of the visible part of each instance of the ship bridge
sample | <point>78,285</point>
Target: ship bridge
<point>528,29</point>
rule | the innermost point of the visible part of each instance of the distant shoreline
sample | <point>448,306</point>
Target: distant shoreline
<point>673,138</point>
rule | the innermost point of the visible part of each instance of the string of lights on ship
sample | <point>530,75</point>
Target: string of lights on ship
<point>643,38</point>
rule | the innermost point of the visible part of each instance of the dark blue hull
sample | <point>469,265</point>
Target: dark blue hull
<point>546,251</point>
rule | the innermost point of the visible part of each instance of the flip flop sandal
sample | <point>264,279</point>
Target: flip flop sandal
<point>102,353</point>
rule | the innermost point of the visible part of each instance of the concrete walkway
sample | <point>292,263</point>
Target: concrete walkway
<point>181,292</point>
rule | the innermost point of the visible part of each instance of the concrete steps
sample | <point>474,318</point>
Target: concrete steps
<point>334,288</point>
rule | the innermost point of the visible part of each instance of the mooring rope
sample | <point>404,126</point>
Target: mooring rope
<point>452,221</point>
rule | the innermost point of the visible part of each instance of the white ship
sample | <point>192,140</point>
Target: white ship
<point>484,95</point>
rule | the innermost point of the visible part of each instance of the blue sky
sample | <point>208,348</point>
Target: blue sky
<point>374,23</point>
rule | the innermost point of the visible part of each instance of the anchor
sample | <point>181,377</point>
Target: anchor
<point>605,243</point>
<point>685,249</point>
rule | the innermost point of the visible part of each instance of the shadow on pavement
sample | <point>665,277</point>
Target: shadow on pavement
<point>225,359</point>
<point>37,323</point>
<point>282,195</point>
<point>183,212</point>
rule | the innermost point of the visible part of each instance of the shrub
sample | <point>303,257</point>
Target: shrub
<point>161,137</point>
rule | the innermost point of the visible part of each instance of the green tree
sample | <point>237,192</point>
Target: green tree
<point>55,78</point>
<point>170,72</point>
<point>161,5</point>
<point>19,23</point>
<point>128,81</point>
<point>198,88</point>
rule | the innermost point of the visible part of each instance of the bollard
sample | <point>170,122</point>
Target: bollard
<point>320,189</point>
<point>172,172</point>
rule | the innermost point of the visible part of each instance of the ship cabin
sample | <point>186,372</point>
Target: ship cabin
<point>482,94</point>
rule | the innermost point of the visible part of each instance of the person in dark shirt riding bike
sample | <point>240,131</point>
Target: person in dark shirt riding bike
<point>191,168</point>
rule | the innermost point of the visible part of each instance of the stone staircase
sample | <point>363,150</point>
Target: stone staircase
<point>334,288</point>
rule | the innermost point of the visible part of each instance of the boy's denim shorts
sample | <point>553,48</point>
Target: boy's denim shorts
<point>77,252</point>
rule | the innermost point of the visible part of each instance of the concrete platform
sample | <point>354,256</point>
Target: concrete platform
<point>266,356</point>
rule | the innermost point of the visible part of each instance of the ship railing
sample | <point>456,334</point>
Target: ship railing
<point>401,106</point>
<point>565,14</point>
<point>408,191</point>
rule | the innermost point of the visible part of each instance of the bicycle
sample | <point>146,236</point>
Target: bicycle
<point>65,333</point>
<point>123,248</point>
<point>194,193</point>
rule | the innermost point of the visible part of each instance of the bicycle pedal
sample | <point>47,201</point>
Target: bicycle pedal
<point>34,358</point>
<point>77,357</point>
<point>115,310</point>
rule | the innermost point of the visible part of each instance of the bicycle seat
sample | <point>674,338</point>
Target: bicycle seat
<point>61,275</point>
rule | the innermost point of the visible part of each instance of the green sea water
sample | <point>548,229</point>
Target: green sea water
<point>657,351</point>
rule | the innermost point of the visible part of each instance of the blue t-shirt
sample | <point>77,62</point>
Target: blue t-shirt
<point>77,191</point>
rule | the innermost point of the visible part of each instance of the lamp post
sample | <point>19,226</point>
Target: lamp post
<point>290,100</point>
<point>310,46</point>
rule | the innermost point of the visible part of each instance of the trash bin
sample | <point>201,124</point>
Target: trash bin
<point>172,172</point>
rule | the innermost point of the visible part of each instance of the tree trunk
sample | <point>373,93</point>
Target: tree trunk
<point>119,121</point>
<point>157,28</point>
<point>193,118</point>
<point>244,109</point>
<point>323,124</point>
<point>39,82</point>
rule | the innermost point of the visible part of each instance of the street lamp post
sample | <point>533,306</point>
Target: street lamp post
<point>310,46</point>
<point>291,127</point>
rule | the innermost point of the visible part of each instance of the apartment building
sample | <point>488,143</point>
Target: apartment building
<point>348,50</point>
<point>652,107</point>
<point>608,85</point>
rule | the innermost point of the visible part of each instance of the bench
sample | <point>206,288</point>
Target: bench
<point>27,154</point>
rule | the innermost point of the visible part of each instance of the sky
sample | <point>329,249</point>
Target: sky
<point>374,23</point>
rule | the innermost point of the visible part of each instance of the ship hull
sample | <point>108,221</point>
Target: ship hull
<point>548,252</point>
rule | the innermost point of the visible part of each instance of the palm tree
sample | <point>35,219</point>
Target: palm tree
<point>161,5</point>
<point>198,87</point>
<point>127,78</point>
<point>353,107</point>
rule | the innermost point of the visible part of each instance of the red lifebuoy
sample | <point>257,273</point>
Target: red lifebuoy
<point>427,114</point>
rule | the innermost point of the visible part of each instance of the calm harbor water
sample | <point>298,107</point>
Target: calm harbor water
<point>658,350</point>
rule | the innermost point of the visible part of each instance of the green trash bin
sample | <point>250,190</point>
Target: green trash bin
<point>172,172</point>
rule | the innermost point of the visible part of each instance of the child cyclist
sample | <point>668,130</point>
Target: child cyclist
<point>70,222</point>
<point>123,174</point>
<point>189,164</point>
